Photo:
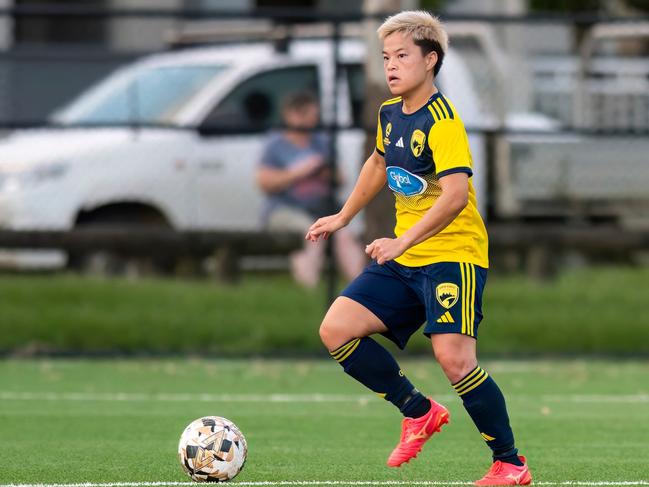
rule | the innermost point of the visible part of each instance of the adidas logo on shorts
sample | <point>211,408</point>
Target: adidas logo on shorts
<point>446,318</point>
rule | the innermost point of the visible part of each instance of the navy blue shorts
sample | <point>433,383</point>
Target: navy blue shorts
<point>447,296</point>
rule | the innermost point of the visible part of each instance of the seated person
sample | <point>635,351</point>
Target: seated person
<point>294,174</point>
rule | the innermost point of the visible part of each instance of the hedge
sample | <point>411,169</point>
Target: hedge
<point>594,311</point>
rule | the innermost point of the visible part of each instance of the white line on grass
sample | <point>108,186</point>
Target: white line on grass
<point>604,398</point>
<point>576,483</point>
<point>288,398</point>
<point>182,397</point>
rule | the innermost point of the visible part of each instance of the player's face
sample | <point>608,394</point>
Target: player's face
<point>306,117</point>
<point>404,65</point>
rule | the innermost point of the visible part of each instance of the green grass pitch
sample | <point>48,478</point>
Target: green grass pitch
<point>69,421</point>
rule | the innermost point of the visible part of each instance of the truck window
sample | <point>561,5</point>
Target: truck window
<point>256,103</point>
<point>148,95</point>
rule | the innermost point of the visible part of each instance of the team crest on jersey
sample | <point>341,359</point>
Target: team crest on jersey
<point>404,182</point>
<point>447,294</point>
<point>417,142</point>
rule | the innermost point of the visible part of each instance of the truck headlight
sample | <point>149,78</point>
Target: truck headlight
<point>15,181</point>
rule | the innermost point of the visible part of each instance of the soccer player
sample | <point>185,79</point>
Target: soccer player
<point>435,269</point>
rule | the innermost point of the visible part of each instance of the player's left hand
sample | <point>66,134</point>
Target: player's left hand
<point>385,249</point>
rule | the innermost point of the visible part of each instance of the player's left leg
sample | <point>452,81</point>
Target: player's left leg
<point>458,295</point>
<point>480,394</point>
<point>484,402</point>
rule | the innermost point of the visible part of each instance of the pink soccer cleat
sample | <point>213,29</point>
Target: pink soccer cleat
<point>502,473</point>
<point>416,431</point>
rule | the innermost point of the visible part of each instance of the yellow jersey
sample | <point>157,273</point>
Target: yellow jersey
<point>420,148</point>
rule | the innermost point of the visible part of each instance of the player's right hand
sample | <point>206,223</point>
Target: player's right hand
<point>325,226</point>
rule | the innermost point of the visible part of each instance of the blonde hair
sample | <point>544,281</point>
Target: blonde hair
<point>426,30</point>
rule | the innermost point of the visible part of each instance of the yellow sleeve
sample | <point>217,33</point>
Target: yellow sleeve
<point>379,136</point>
<point>449,144</point>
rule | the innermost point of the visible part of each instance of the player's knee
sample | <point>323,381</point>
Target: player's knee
<point>325,334</point>
<point>334,333</point>
<point>330,335</point>
<point>455,366</point>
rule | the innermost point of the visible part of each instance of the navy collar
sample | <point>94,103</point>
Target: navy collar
<point>420,109</point>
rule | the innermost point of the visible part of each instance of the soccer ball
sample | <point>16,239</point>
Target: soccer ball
<point>212,449</point>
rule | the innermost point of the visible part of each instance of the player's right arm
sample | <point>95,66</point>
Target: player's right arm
<point>370,181</point>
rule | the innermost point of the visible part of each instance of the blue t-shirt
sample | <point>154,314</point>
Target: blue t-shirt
<point>310,194</point>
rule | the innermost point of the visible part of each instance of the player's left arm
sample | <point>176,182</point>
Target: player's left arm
<point>449,144</point>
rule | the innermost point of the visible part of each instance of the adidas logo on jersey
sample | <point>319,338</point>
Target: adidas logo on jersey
<point>399,142</point>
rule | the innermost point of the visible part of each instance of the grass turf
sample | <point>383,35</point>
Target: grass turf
<point>575,420</point>
<point>588,310</point>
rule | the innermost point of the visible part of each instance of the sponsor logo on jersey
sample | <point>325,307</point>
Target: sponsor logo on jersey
<point>447,294</point>
<point>400,142</point>
<point>417,142</point>
<point>404,182</point>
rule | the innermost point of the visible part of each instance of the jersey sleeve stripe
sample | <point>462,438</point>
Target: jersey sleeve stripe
<point>448,107</point>
<point>379,133</point>
<point>454,170</point>
<point>433,111</point>
<point>441,108</point>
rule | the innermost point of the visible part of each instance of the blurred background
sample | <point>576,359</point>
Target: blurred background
<point>159,161</point>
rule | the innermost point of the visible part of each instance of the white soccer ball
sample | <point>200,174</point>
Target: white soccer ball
<point>212,449</point>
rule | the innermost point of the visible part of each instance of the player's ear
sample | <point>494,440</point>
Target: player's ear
<point>431,60</point>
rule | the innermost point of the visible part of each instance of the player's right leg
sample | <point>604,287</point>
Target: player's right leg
<point>345,331</point>
<point>347,320</point>
<point>378,302</point>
